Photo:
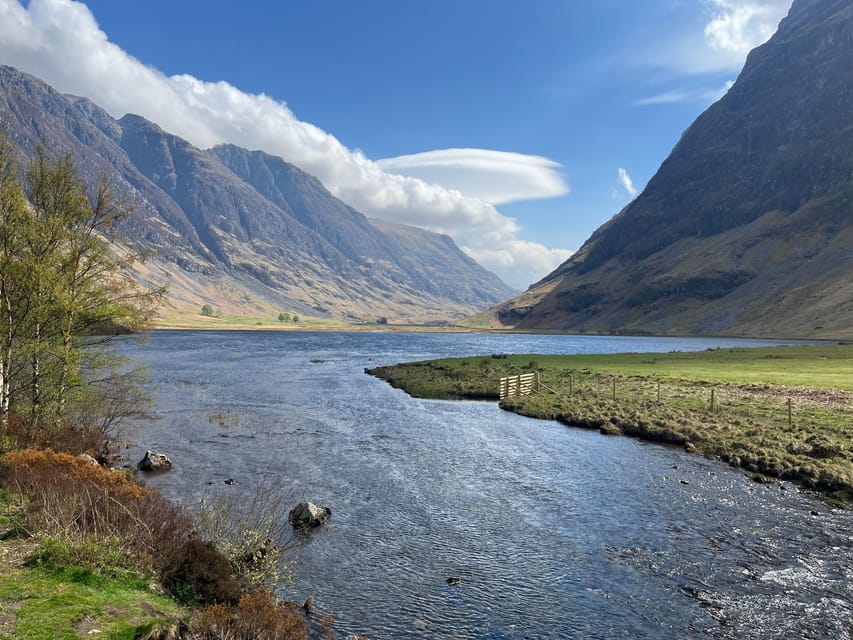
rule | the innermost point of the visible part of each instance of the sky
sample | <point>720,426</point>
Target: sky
<point>516,127</point>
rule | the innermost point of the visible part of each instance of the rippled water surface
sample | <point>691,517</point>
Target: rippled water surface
<point>553,532</point>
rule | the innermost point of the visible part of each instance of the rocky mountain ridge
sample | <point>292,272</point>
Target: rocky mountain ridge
<point>747,227</point>
<point>245,231</point>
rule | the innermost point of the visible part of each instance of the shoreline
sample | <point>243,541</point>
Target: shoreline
<point>343,327</point>
<point>720,405</point>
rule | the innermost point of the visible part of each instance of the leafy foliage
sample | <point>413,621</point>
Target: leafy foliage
<point>60,282</point>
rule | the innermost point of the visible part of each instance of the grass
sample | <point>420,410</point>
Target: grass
<point>69,603</point>
<point>80,545</point>
<point>666,397</point>
<point>41,600</point>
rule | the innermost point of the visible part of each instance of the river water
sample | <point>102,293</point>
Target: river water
<point>552,532</point>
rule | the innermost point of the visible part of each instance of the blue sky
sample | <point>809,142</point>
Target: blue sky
<point>581,98</point>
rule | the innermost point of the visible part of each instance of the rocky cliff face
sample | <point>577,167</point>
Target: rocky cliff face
<point>245,231</point>
<point>747,227</point>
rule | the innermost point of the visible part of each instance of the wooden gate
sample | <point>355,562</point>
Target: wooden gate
<point>523,384</point>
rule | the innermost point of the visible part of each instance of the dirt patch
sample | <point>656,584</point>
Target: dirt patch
<point>87,627</point>
<point>8,616</point>
<point>14,551</point>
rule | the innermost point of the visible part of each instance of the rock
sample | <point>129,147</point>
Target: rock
<point>689,447</point>
<point>89,459</point>
<point>452,581</point>
<point>307,515</point>
<point>154,461</point>
<point>229,481</point>
<point>610,429</point>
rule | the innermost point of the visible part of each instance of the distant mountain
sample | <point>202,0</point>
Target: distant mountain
<point>245,231</point>
<point>746,227</point>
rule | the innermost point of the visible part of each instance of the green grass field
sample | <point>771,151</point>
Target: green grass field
<point>779,412</point>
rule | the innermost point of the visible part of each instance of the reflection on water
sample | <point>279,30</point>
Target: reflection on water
<point>552,532</point>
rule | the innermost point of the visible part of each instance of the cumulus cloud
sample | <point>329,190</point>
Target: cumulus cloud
<point>528,261</point>
<point>60,41</point>
<point>498,177</point>
<point>627,184</point>
<point>731,29</point>
<point>738,26</point>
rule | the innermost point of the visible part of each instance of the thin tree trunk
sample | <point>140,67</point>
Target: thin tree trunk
<point>6,362</point>
<point>36,362</point>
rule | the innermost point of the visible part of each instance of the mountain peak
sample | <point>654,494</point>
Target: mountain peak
<point>244,230</point>
<point>746,226</point>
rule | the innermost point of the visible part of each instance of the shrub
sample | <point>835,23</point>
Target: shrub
<point>253,534</point>
<point>284,317</point>
<point>207,310</point>
<point>93,516</point>
<point>21,433</point>
<point>256,615</point>
<point>199,573</point>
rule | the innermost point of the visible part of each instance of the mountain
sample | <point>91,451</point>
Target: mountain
<point>245,231</point>
<point>746,227</point>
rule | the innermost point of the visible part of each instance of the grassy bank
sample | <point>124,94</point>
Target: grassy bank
<point>727,403</point>
<point>85,551</point>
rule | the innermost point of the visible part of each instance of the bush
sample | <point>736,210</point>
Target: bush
<point>21,433</point>
<point>207,310</point>
<point>92,516</point>
<point>284,317</point>
<point>256,615</point>
<point>199,573</point>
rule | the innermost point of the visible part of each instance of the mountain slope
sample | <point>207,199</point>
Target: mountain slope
<point>242,230</point>
<point>747,227</point>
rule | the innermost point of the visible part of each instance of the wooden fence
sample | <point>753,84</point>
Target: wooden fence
<point>524,384</point>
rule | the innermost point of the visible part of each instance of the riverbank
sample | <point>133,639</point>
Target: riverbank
<point>85,550</point>
<point>778,412</point>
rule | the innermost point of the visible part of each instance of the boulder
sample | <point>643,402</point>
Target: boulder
<point>307,515</point>
<point>89,459</point>
<point>154,461</point>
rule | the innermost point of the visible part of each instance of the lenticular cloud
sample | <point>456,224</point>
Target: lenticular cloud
<point>60,42</point>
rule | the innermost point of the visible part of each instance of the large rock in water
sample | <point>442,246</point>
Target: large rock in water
<point>154,461</point>
<point>307,515</point>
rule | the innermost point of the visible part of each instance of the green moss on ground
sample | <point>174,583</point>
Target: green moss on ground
<point>666,397</point>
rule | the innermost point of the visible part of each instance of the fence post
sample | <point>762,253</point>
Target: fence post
<point>658,390</point>
<point>614,387</point>
<point>712,399</point>
<point>790,415</point>
<point>571,383</point>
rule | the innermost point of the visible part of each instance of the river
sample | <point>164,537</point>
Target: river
<point>552,532</point>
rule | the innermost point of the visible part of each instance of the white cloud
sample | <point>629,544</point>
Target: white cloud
<point>721,42</point>
<point>498,177</point>
<point>60,41</point>
<point>686,95</point>
<point>627,184</point>
<point>527,261</point>
<point>738,26</point>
